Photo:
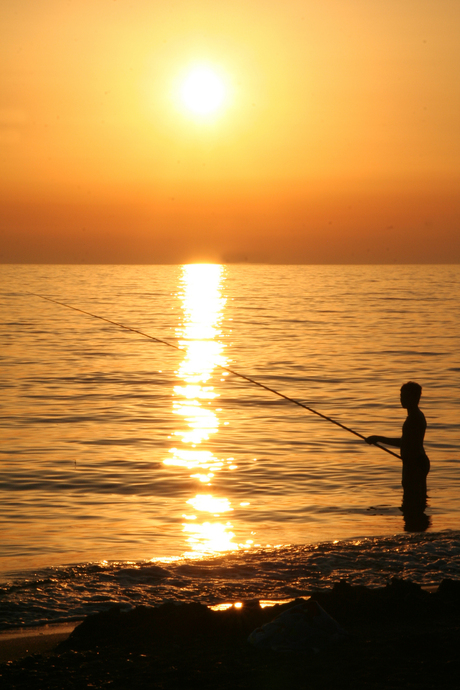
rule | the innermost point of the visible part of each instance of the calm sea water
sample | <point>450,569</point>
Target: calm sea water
<point>131,471</point>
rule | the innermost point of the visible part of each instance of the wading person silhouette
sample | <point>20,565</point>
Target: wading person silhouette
<point>415,462</point>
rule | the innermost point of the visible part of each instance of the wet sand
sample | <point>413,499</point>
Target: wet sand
<point>400,636</point>
<point>16,644</point>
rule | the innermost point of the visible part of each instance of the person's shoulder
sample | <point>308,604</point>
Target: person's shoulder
<point>419,417</point>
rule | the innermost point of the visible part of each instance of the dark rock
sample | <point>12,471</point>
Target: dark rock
<point>401,637</point>
<point>450,589</point>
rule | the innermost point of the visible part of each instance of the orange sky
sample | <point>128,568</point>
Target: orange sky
<point>339,141</point>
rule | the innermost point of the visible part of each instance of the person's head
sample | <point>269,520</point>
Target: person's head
<point>410,394</point>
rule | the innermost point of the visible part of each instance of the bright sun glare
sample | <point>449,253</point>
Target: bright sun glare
<point>203,91</point>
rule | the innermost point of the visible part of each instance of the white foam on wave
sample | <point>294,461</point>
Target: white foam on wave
<point>69,593</point>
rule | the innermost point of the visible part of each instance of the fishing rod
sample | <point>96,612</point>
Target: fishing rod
<point>230,371</point>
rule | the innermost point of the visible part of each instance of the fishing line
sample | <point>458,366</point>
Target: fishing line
<point>230,371</point>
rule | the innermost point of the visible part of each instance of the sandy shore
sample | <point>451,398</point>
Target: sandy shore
<point>399,637</point>
<point>16,644</point>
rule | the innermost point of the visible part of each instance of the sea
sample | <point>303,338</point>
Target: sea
<point>140,463</point>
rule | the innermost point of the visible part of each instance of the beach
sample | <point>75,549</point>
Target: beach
<point>16,644</point>
<point>400,636</point>
<point>135,476</point>
<point>229,345</point>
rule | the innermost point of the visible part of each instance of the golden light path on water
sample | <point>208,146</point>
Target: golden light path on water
<point>195,404</point>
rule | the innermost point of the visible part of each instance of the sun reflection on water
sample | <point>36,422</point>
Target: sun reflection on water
<point>194,403</point>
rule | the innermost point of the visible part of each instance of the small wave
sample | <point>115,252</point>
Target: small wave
<point>73,592</point>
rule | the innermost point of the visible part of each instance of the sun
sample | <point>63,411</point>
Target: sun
<point>203,91</point>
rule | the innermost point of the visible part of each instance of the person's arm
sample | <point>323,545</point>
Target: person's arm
<point>395,442</point>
